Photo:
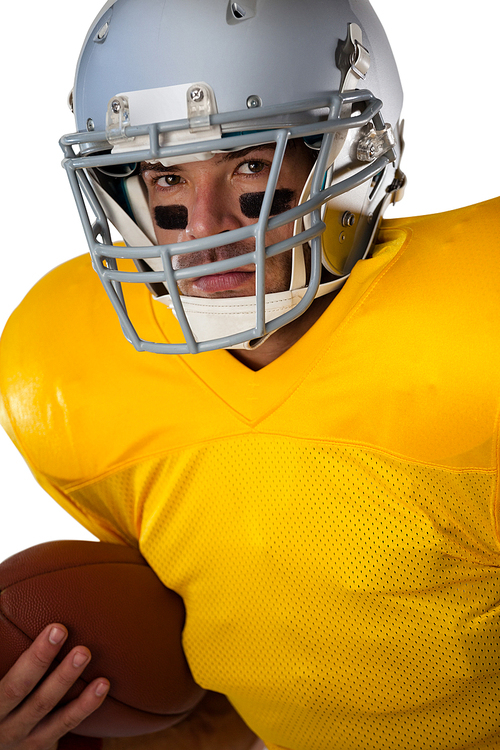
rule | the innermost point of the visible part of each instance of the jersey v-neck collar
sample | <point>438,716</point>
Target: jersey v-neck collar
<point>253,395</point>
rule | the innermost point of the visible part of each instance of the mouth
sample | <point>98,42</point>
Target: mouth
<point>223,282</point>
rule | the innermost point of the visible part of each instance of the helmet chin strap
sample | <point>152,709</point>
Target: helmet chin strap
<point>217,318</point>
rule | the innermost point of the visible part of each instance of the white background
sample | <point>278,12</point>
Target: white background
<point>446,51</point>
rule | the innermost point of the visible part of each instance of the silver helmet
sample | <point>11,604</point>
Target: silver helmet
<point>175,81</point>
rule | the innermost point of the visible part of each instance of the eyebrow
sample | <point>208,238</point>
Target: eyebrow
<point>223,157</point>
<point>230,155</point>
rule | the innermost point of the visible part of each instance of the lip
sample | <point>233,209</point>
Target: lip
<point>222,282</point>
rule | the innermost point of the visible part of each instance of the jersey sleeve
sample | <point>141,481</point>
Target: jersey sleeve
<point>32,406</point>
<point>93,524</point>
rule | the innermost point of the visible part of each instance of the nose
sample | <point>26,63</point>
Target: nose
<point>213,210</point>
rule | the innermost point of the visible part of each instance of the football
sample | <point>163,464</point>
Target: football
<point>112,602</point>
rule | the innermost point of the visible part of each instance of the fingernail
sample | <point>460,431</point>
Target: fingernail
<point>102,688</point>
<point>80,659</point>
<point>56,635</point>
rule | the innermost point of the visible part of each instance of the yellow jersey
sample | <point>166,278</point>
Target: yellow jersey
<point>331,521</point>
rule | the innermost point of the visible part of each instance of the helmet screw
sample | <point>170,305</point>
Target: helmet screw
<point>254,101</point>
<point>348,219</point>
<point>115,105</point>
<point>342,237</point>
<point>103,32</point>
<point>90,125</point>
<point>197,95</point>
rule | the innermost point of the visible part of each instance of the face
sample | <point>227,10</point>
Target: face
<point>201,199</point>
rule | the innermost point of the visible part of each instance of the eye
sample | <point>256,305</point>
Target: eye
<point>251,167</point>
<point>168,180</point>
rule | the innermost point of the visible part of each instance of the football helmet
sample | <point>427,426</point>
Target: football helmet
<point>176,81</point>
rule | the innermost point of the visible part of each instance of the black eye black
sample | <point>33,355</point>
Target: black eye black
<point>171,217</point>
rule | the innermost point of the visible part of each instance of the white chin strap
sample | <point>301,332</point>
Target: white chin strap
<point>216,318</point>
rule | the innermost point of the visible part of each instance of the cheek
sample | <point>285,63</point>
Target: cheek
<point>278,273</point>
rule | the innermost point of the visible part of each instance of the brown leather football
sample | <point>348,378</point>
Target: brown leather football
<point>112,602</point>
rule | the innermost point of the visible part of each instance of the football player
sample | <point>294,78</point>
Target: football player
<point>299,427</point>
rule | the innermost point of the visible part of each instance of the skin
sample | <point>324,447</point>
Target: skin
<point>215,194</point>
<point>26,725</point>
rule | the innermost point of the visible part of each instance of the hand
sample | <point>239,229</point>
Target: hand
<point>27,719</point>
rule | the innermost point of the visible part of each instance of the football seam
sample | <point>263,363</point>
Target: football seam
<point>83,679</point>
<point>74,567</point>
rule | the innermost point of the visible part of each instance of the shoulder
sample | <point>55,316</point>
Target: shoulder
<point>54,308</point>
<point>66,371</point>
<point>65,300</point>
<point>463,244</point>
<point>56,331</point>
<point>469,227</point>
<point>67,319</point>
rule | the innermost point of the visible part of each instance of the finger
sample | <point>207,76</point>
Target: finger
<point>68,717</point>
<point>29,669</point>
<point>48,694</point>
